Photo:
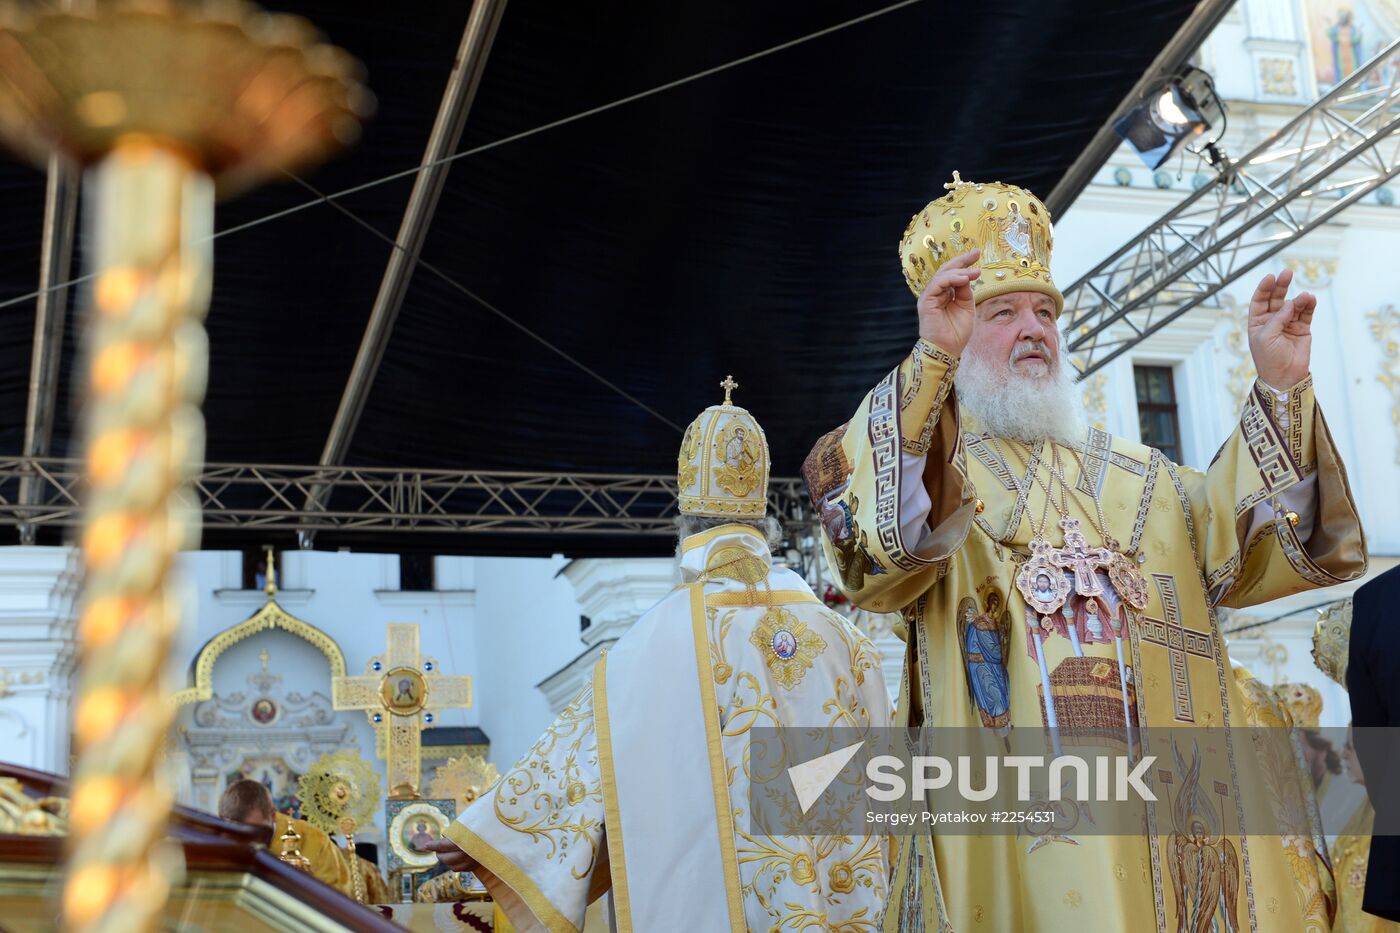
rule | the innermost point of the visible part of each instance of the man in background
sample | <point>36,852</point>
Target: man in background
<point>1375,703</point>
<point>248,801</point>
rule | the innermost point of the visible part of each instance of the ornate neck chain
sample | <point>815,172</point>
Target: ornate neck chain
<point>1066,490</point>
<point>1057,475</point>
<point>1041,580</point>
<point>1023,491</point>
<point>1109,540</point>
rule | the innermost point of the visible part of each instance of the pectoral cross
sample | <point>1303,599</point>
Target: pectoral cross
<point>401,692</point>
<point>1076,555</point>
<point>728,385</point>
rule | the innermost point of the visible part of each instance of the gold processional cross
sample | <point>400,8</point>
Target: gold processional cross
<point>401,692</point>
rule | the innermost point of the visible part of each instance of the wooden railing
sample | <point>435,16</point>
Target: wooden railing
<point>210,845</point>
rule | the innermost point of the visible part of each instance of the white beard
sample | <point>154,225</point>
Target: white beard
<point>1024,407</point>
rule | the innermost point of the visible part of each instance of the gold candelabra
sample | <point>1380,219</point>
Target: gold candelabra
<point>166,104</point>
<point>339,792</point>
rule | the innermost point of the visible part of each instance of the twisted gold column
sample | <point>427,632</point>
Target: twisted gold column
<point>163,101</point>
<point>146,358</point>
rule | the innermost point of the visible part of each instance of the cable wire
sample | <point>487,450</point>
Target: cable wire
<point>1278,618</point>
<point>554,348</point>
<point>524,134</point>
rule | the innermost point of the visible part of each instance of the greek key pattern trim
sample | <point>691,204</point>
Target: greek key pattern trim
<point>884,459</point>
<point>989,459</point>
<point>1292,410</point>
<point>1096,452</point>
<point>1123,461</point>
<point>1145,503</point>
<point>1277,467</point>
<point>1295,424</point>
<point>1293,551</point>
<point>1224,572</point>
<point>934,351</point>
<point>914,382</point>
<point>919,446</point>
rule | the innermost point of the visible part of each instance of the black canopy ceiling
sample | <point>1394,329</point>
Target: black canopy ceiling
<point>743,223</point>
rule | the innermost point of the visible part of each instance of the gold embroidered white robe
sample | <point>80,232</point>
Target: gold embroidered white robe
<point>926,544</point>
<point>641,785</point>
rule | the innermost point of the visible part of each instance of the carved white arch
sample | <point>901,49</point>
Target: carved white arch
<point>270,616</point>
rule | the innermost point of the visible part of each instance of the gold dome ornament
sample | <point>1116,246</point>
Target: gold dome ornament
<point>722,467</point>
<point>1008,224</point>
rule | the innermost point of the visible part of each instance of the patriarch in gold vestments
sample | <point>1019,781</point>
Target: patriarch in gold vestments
<point>1055,576</point>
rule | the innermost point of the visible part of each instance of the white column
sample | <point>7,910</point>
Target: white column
<point>38,649</point>
<point>613,593</point>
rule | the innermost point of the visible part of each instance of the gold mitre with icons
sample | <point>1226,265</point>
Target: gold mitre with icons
<point>1332,640</point>
<point>1008,224</point>
<point>1303,702</point>
<point>722,468</point>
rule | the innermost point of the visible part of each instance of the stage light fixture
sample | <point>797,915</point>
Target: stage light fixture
<point>1183,109</point>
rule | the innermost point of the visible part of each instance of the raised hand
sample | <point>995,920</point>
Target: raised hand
<point>946,308</point>
<point>1280,331</point>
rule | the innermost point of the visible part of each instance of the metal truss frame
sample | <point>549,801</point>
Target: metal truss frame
<point>1328,157</point>
<point>275,498</point>
<point>478,35</point>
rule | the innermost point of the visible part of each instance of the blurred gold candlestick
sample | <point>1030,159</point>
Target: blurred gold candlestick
<point>167,104</point>
<point>152,216</point>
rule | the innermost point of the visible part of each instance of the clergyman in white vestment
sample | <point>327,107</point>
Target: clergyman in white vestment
<point>640,787</point>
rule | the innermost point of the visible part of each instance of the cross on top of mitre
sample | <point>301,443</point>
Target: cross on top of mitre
<point>401,692</point>
<point>728,385</point>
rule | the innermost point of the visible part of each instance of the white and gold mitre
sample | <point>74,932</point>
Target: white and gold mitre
<point>1008,224</point>
<point>722,468</point>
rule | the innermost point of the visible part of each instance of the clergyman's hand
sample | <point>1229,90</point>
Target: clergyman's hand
<point>946,308</point>
<point>450,855</point>
<point>1280,331</point>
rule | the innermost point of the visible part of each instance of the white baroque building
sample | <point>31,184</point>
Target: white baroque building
<point>527,630</point>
